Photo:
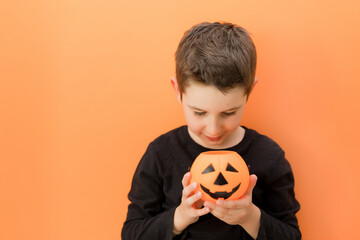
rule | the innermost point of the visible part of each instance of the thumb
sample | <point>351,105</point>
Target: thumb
<point>252,183</point>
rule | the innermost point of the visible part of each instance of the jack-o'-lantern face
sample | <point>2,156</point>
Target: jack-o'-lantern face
<point>220,175</point>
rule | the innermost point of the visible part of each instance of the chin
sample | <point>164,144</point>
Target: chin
<point>213,144</point>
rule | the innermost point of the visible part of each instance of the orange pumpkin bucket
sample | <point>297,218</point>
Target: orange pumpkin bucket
<point>220,175</point>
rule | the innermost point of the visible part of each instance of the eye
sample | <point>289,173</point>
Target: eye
<point>199,113</point>
<point>209,169</point>
<point>230,168</point>
<point>228,114</point>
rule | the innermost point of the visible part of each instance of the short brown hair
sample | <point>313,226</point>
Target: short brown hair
<point>218,54</point>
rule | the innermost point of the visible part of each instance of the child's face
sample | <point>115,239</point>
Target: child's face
<point>213,117</point>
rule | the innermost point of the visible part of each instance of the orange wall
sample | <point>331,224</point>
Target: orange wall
<point>84,87</point>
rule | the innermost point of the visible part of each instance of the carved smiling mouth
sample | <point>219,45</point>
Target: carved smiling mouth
<point>217,195</point>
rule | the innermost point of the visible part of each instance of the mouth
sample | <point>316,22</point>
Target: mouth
<point>213,139</point>
<point>217,195</point>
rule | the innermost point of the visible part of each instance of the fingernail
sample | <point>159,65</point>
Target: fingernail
<point>219,202</point>
<point>207,204</point>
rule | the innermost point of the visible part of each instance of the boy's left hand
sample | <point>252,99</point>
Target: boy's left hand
<point>237,212</point>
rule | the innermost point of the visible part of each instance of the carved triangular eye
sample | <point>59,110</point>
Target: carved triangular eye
<point>210,168</point>
<point>230,168</point>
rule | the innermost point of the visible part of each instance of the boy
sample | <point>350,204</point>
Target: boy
<point>215,73</point>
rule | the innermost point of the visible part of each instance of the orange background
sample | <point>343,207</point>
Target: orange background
<point>85,86</point>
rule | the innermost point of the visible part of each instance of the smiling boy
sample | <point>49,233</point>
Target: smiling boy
<point>212,116</point>
<point>215,73</point>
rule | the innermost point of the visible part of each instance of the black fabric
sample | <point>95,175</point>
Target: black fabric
<point>156,191</point>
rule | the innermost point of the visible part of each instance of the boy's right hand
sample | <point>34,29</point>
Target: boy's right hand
<point>190,208</point>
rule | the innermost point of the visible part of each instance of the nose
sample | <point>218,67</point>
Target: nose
<point>213,127</point>
<point>220,180</point>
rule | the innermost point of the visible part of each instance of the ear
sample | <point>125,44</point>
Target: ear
<point>255,82</point>
<point>252,87</point>
<point>176,88</point>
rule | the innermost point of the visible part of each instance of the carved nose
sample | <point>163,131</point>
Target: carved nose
<point>220,180</point>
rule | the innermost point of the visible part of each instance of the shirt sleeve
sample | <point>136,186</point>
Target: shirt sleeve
<point>278,220</point>
<point>147,218</point>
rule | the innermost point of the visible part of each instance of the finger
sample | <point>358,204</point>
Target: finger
<point>193,198</point>
<point>189,190</point>
<point>202,211</point>
<point>252,183</point>
<point>186,179</point>
<point>228,203</point>
<point>216,210</point>
<point>209,204</point>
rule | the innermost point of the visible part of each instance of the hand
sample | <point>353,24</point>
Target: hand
<point>190,208</point>
<point>242,211</point>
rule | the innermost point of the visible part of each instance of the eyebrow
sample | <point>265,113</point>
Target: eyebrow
<point>228,110</point>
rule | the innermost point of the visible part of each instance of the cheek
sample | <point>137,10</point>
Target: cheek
<point>194,123</point>
<point>232,123</point>
<point>195,126</point>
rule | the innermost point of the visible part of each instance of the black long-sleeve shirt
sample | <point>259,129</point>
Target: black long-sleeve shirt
<point>156,191</point>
